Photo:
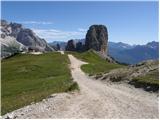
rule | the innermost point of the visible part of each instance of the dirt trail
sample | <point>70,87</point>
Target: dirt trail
<point>95,100</point>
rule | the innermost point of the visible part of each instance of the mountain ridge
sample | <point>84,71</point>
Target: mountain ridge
<point>14,37</point>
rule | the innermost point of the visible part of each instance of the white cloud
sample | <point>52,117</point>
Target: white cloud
<point>36,22</point>
<point>58,35</point>
<point>82,30</point>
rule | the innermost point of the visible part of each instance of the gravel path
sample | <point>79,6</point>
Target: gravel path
<point>95,100</point>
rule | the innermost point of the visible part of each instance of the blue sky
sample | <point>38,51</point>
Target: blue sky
<point>129,22</point>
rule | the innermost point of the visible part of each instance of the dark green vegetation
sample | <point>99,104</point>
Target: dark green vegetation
<point>152,77</point>
<point>30,78</point>
<point>149,82</point>
<point>96,64</point>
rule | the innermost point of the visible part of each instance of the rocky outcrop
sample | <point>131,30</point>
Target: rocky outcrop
<point>97,38</point>
<point>131,73</point>
<point>106,57</point>
<point>79,47</point>
<point>71,46</point>
<point>15,38</point>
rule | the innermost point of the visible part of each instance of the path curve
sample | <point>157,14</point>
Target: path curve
<point>95,100</point>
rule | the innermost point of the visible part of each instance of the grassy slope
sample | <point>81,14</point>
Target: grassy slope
<point>151,78</point>
<point>96,64</point>
<point>30,78</point>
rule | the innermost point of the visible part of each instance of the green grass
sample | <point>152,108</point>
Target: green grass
<point>96,64</point>
<point>30,78</point>
<point>150,78</point>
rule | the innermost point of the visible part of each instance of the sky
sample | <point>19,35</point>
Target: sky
<point>128,22</point>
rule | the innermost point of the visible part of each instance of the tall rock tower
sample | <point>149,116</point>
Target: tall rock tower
<point>97,38</point>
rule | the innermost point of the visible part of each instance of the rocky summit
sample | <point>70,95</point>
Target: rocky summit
<point>97,38</point>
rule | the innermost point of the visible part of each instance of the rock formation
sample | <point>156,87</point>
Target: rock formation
<point>71,46</point>
<point>97,38</point>
<point>79,47</point>
<point>28,38</point>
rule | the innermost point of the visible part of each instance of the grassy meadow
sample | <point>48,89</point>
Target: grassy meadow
<point>96,64</point>
<point>29,78</point>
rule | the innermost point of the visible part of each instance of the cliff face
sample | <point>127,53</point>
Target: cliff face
<point>28,38</point>
<point>97,38</point>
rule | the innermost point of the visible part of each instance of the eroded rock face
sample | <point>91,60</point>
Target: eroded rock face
<point>29,38</point>
<point>71,46</point>
<point>97,38</point>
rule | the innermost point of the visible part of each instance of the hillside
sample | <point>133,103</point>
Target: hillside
<point>95,64</point>
<point>30,78</point>
<point>95,99</point>
<point>143,75</point>
<point>149,81</point>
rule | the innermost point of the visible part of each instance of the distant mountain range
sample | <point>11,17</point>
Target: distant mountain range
<point>61,43</point>
<point>133,54</point>
<point>125,53</point>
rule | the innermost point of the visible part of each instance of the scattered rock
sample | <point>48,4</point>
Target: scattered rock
<point>51,96</point>
<point>10,116</point>
<point>32,103</point>
<point>145,86</point>
<point>97,76</point>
